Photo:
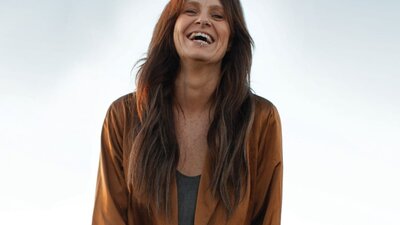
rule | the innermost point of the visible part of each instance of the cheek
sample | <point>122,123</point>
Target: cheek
<point>225,34</point>
<point>225,37</point>
<point>176,36</point>
<point>178,31</point>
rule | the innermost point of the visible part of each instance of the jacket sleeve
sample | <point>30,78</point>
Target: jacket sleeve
<point>111,199</point>
<point>269,173</point>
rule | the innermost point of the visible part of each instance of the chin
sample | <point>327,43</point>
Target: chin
<point>197,57</point>
<point>200,58</point>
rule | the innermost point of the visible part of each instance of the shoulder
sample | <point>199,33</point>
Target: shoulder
<point>264,110</point>
<point>266,133</point>
<point>120,113</point>
<point>123,106</point>
<point>123,103</point>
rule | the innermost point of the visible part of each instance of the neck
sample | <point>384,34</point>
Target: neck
<point>195,85</point>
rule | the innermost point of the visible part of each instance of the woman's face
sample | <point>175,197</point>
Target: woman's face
<point>202,31</point>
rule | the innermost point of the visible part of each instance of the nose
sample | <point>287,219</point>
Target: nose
<point>203,20</point>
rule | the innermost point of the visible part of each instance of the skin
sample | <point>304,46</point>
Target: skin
<point>199,75</point>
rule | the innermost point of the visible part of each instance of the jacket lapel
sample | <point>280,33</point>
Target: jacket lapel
<point>206,203</point>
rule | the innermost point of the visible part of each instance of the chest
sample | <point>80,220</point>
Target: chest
<point>191,135</point>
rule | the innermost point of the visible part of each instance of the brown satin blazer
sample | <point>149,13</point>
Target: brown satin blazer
<point>114,204</point>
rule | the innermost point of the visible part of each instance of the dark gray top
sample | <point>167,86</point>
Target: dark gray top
<point>187,197</point>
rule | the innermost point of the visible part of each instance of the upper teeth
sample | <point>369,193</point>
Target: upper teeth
<point>196,34</point>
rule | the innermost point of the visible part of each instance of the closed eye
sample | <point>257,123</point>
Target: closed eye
<point>217,16</point>
<point>190,11</point>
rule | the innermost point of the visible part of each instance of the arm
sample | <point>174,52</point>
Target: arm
<point>269,173</point>
<point>111,199</point>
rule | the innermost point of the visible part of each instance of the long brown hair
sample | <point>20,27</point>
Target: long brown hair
<point>155,151</point>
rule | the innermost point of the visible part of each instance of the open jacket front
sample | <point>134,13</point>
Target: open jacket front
<point>114,204</point>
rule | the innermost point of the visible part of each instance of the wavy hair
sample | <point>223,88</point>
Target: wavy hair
<point>155,150</point>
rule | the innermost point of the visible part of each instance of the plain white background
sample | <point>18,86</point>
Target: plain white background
<point>330,67</point>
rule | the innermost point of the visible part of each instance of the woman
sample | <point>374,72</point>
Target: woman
<point>193,144</point>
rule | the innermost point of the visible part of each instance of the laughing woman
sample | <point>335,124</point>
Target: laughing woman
<point>193,144</point>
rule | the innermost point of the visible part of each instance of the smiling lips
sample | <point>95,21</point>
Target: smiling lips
<point>201,37</point>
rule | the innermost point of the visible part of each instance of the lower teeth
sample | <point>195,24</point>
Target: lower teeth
<point>202,42</point>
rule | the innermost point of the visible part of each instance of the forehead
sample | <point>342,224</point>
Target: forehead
<point>210,3</point>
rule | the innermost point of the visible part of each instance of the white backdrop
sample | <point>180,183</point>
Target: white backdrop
<point>331,68</point>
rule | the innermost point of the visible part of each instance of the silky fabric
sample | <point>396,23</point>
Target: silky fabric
<point>188,187</point>
<point>261,204</point>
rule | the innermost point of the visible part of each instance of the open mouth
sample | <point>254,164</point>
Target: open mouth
<point>201,37</point>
